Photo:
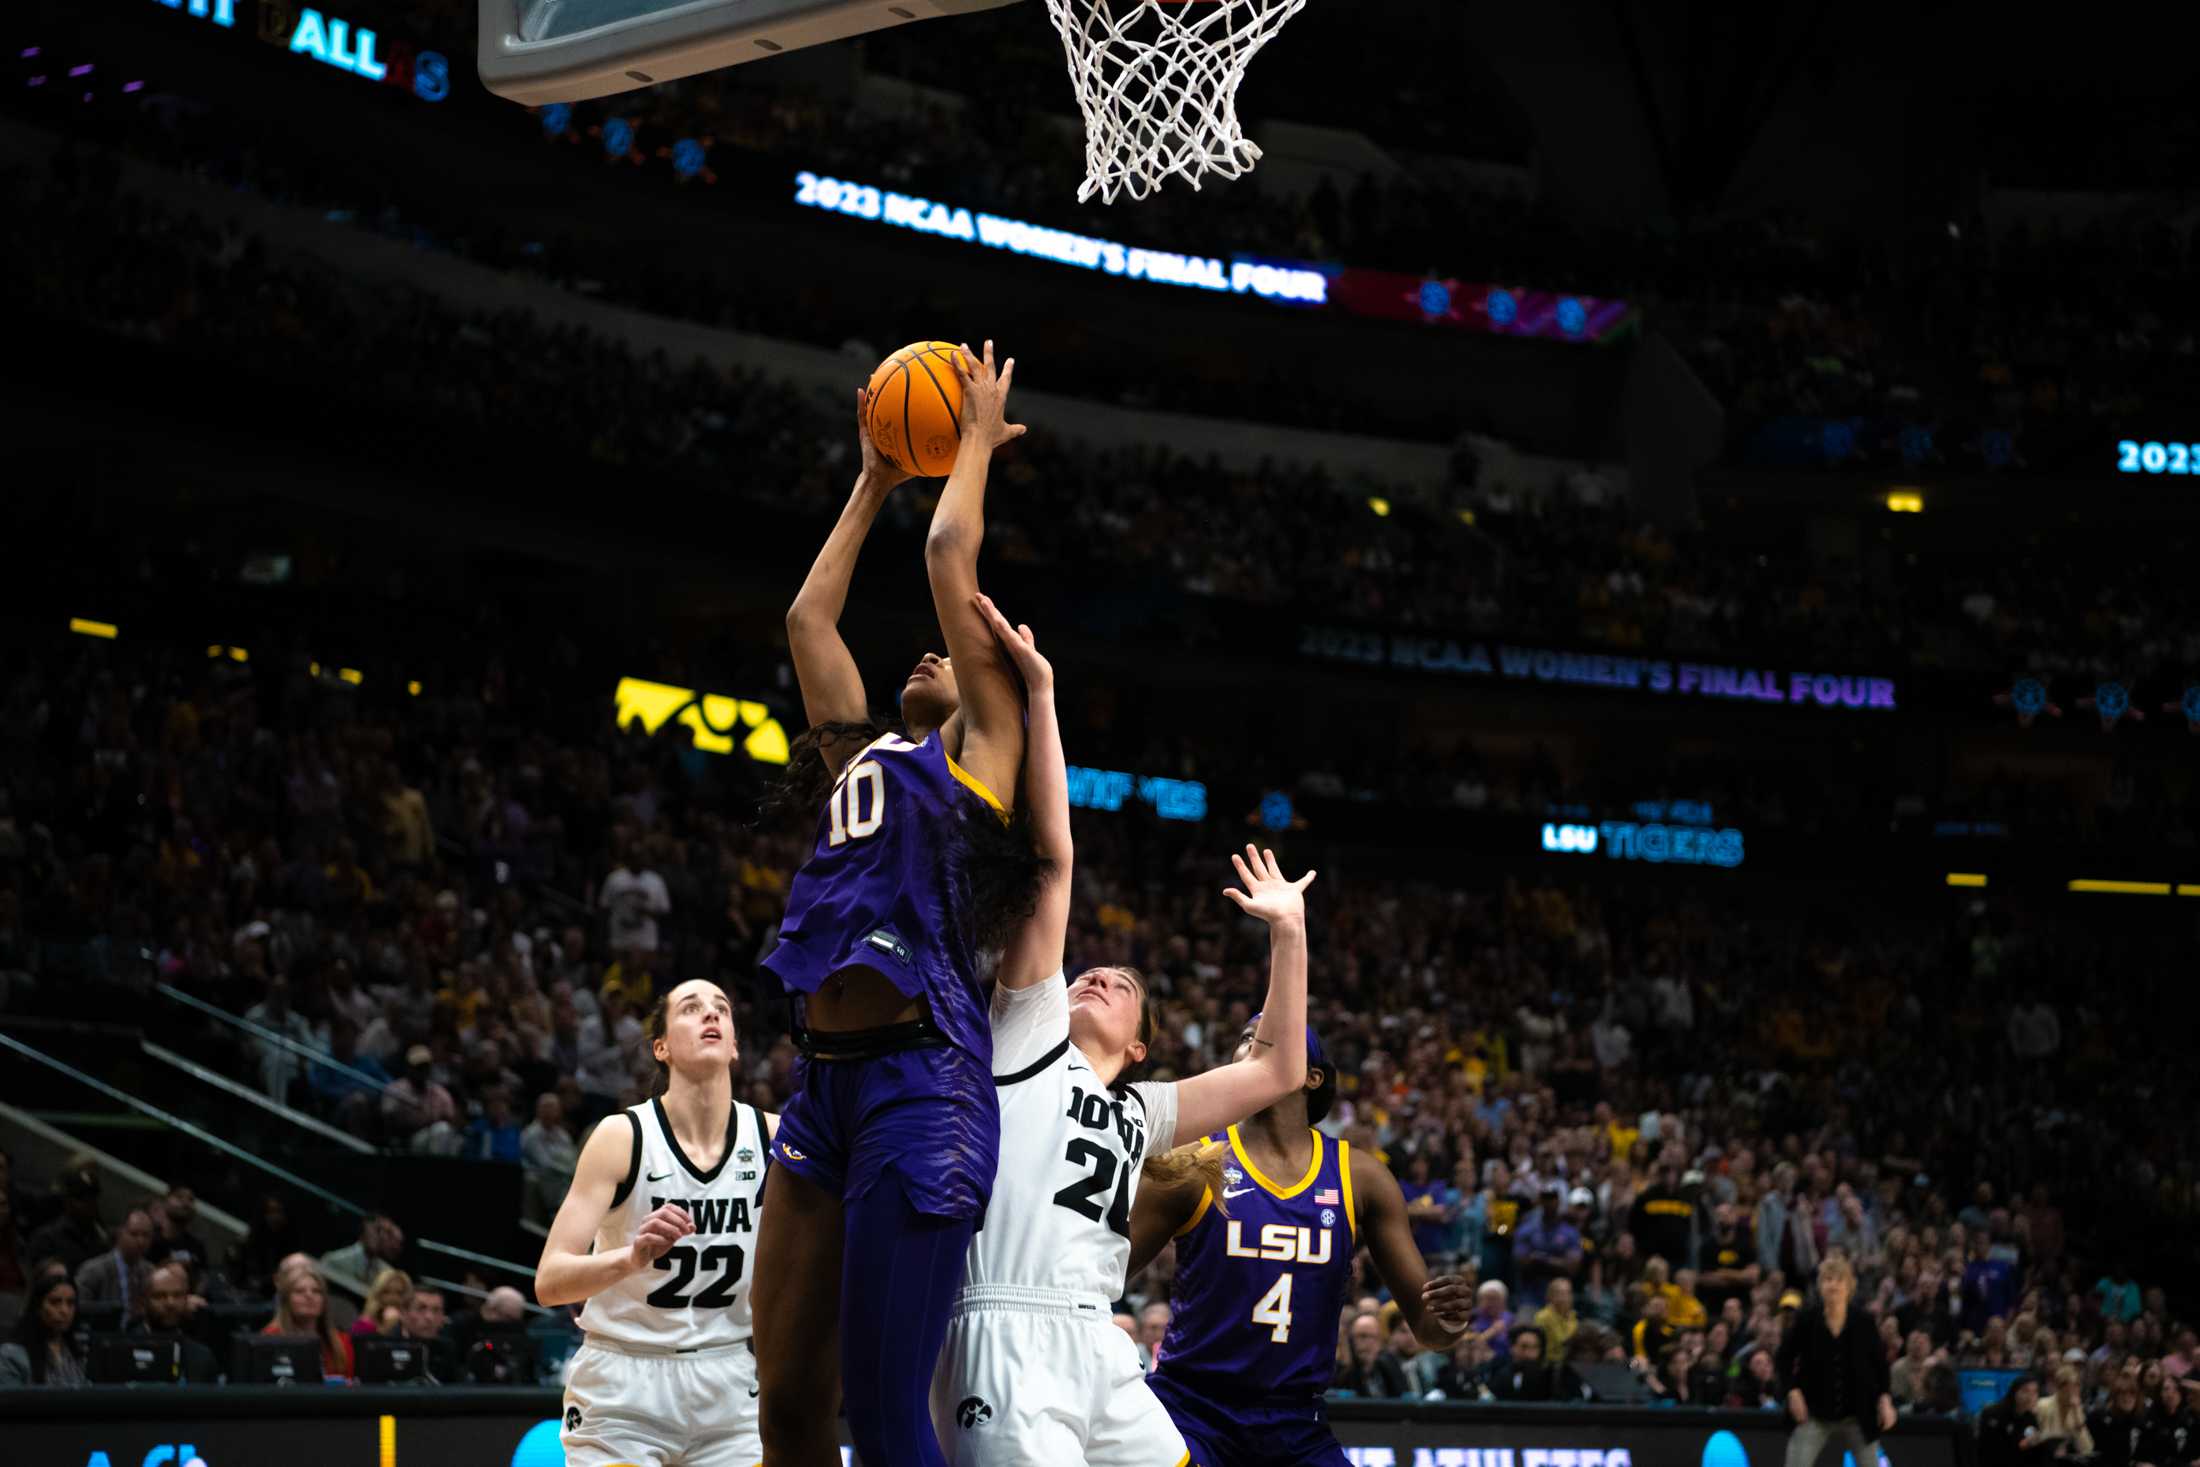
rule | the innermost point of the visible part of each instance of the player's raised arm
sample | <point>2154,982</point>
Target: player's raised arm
<point>1035,952</point>
<point>832,688</point>
<point>1276,1066</point>
<point>569,1270</point>
<point>992,705</point>
<point>1435,1309</point>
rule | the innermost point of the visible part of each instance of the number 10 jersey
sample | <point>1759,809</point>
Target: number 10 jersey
<point>1071,1149</point>
<point>697,1296</point>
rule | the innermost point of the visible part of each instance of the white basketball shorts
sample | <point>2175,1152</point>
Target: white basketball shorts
<point>1030,1377</point>
<point>624,1408</point>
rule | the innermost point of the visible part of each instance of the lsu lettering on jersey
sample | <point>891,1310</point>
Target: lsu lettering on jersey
<point>880,887</point>
<point>1071,1151</point>
<point>1258,1293</point>
<point>698,1294</point>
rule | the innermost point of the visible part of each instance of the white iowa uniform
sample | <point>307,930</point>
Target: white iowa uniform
<point>666,1377</point>
<point>1034,1369</point>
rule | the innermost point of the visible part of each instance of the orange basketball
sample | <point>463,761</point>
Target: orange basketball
<point>916,408</point>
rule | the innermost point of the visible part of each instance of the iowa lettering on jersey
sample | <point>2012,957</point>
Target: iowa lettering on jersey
<point>1279,1243</point>
<point>1100,1112</point>
<point>712,1214</point>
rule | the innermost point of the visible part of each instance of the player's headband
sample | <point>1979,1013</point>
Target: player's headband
<point>1318,1099</point>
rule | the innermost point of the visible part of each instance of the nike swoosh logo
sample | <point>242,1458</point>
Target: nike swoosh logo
<point>659,1176</point>
<point>1082,1069</point>
<point>1240,1192</point>
<point>755,1391</point>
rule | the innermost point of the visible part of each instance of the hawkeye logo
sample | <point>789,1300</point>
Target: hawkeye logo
<point>714,719</point>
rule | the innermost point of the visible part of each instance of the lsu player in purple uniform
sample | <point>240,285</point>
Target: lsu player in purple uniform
<point>1252,1338</point>
<point>885,1157</point>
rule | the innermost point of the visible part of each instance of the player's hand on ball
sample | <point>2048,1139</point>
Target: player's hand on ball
<point>985,399</point>
<point>1267,895</point>
<point>1449,1300</point>
<point>879,471</point>
<point>1021,646</point>
<point>660,1230</point>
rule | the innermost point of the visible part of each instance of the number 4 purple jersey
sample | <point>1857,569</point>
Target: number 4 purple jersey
<point>880,887</point>
<point>1258,1293</point>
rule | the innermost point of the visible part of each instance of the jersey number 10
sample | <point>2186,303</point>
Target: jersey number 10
<point>858,806</point>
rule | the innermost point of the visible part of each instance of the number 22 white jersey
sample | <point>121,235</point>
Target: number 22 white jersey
<point>1071,1149</point>
<point>698,1294</point>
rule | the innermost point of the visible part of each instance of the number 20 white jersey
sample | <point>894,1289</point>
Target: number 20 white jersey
<point>698,1294</point>
<point>1071,1150</point>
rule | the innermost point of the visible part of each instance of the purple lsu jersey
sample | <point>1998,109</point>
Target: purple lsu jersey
<point>1258,1292</point>
<point>879,888</point>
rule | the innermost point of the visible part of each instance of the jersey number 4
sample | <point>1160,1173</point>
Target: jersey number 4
<point>1274,1309</point>
<point>1083,1196</point>
<point>684,1263</point>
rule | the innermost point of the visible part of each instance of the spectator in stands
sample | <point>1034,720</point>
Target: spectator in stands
<point>349,1084</point>
<point>279,1063</point>
<point>1727,1264</point>
<point>1418,1363</point>
<point>548,1153</point>
<point>168,1317</point>
<point>1652,1333</point>
<point>2062,1415</point>
<point>1557,1321</point>
<point>174,1240</point>
<point>1663,1218</point>
<point>1757,1385</point>
<point>270,1239</point>
<point>2118,1425</point>
<point>1491,1321</point>
<point>380,1245</point>
<point>417,1111</point>
<point>2172,1436</point>
<point>1906,1378</point>
<point>2118,1293</point>
<point>43,1351</point>
<point>633,897</point>
<point>1545,1247</point>
<point>2009,1430</point>
<point>118,1276</point>
<point>1370,1370</point>
<point>1523,1375</point>
<point>1153,1328</point>
<point>1464,1377</point>
<point>491,1340</point>
<point>493,1135</point>
<point>1425,1207</point>
<point>384,1306</point>
<point>422,1323</point>
<point>301,1308</point>
<point>76,1236</point>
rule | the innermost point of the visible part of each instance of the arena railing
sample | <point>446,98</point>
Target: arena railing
<point>335,1203</point>
<point>265,1035</point>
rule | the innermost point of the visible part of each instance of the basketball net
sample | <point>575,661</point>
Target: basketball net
<point>1157,82</point>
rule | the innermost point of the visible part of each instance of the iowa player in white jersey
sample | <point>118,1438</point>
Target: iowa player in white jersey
<point>656,1235</point>
<point>1034,1369</point>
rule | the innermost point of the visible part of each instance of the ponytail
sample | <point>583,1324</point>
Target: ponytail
<point>1198,1162</point>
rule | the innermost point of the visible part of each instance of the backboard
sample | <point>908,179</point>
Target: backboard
<point>539,51</point>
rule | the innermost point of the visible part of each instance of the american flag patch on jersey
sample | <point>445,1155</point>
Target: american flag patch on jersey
<point>1326,1199</point>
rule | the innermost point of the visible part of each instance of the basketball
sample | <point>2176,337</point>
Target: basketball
<point>916,408</point>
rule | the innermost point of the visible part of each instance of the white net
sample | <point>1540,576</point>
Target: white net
<point>1158,84</point>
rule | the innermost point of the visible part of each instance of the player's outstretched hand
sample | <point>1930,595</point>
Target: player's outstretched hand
<point>1020,645</point>
<point>985,398</point>
<point>879,471</point>
<point>1449,1300</point>
<point>1267,895</point>
<point>660,1230</point>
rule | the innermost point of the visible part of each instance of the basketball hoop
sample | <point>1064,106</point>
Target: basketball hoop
<point>1157,81</point>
